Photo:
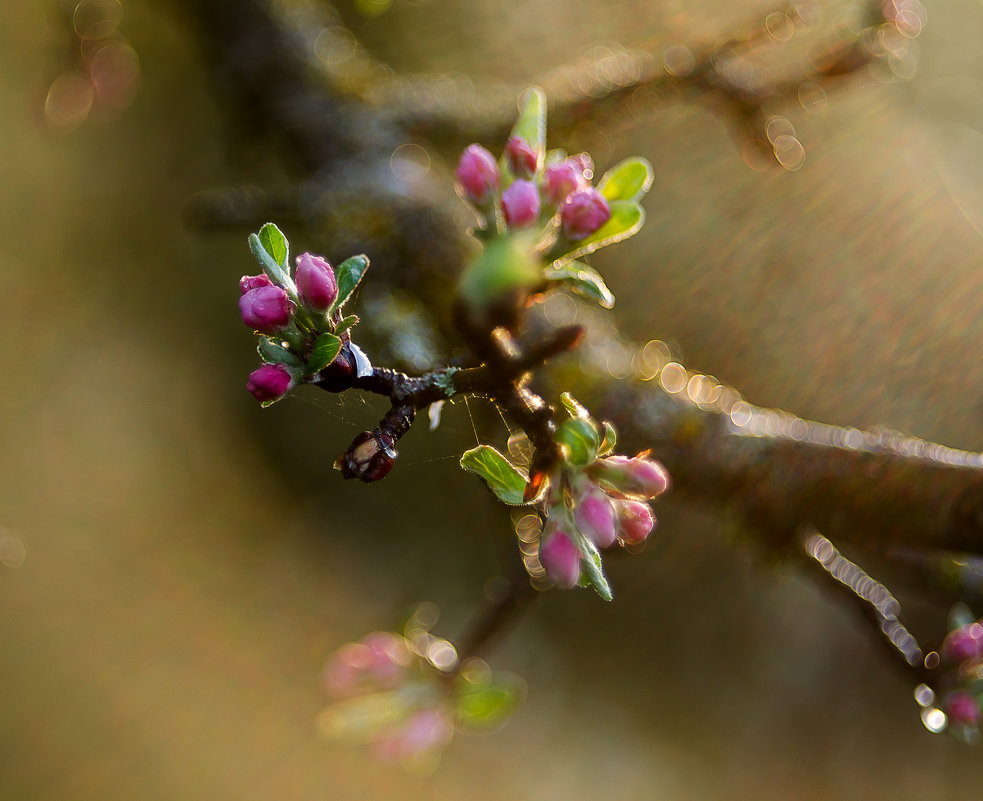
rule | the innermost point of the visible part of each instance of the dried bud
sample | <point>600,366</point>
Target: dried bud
<point>635,521</point>
<point>520,203</point>
<point>266,308</point>
<point>965,643</point>
<point>316,284</point>
<point>270,382</point>
<point>595,517</point>
<point>585,211</point>
<point>560,558</point>
<point>369,458</point>
<point>559,180</point>
<point>643,478</point>
<point>522,159</point>
<point>962,709</point>
<point>248,282</point>
<point>477,173</point>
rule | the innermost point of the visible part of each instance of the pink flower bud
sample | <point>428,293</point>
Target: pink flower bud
<point>962,709</point>
<point>369,458</point>
<point>635,521</point>
<point>595,517</point>
<point>965,643</point>
<point>522,159</point>
<point>266,308</point>
<point>559,180</point>
<point>316,284</point>
<point>428,730</point>
<point>248,282</point>
<point>583,213</point>
<point>270,382</point>
<point>643,478</point>
<point>560,559</point>
<point>477,173</point>
<point>520,202</point>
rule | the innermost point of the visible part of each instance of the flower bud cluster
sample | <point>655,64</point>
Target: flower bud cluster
<point>962,654</point>
<point>385,673</point>
<point>557,195</point>
<point>595,501</point>
<point>297,312</point>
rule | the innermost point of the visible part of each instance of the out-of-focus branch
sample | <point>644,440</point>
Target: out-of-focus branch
<point>872,600</point>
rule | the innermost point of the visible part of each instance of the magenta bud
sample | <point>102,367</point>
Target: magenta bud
<point>962,708</point>
<point>266,308</point>
<point>559,180</point>
<point>248,282</point>
<point>583,213</point>
<point>520,202</point>
<point>370,457</point>
<point>635,521</point>
<point>477,173</point>
<point>596,519</point>
<point>638,477</point>
<point>270,382</point>
<point>521,157</point>
<point>560,559</point>
<point>316,284</point>
<point>427,731</point>
<point>965,643</point>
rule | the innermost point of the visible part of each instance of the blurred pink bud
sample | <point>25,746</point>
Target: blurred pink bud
<point>316,284</point>
<point>962,709</point>
<point>583,213</point>
<point>559,180</point>
<point>560,559</point>
<point>380,661</point>
<point>477,173</point>
<point>248,282</point>
<point>270,382</point>
<point>595,517</point>
<point>644,478</point>
<point>520,202</point>
<point>635,521</point>
<point>390,657</point>
<point>965,643</point>
<point>428,730</point>
<point>522,159</point>
<point>266,308</point>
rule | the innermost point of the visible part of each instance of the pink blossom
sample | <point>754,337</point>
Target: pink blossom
<point>316,284</point>
<point>520,203</point>
<point>477,173</point>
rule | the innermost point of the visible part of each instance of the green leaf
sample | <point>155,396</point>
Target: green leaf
<point>627,180</point>
<point>348,275</point>
<point>274,271</point>
<point>627,218</point>
<point>573,406</point>
<point>506,265</point>
<point>585,281</point>
<point>610,440</point>
<point>530,125</point>
<point>485,706</point>
<point>501,476</point>
<point>579,440</point>
<point>325,350</point>
<point>275,243</point>
<point>593,573</point>
<point>273,352</point>
<point>346,323</point>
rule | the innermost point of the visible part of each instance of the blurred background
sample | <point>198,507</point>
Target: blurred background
<point>176,564</point>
